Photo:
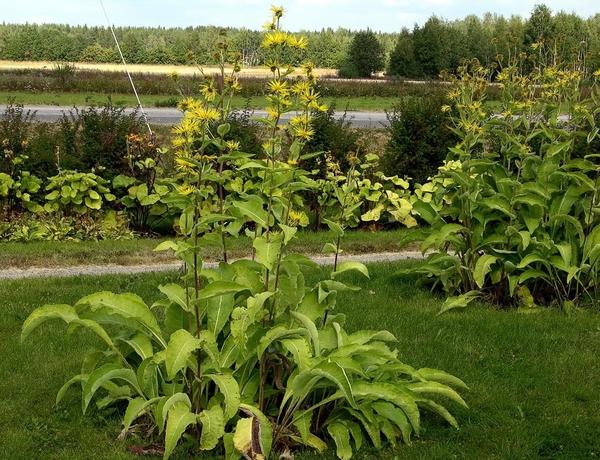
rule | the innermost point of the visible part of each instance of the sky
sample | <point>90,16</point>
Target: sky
<point>381,15</point>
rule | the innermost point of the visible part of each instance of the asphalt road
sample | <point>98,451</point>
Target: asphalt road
<point>168,116</point>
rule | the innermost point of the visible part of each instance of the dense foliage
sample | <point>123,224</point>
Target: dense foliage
<point>365,56</point>
<point>248,359</point>
<point>419,137</point>
<point>514,210</point>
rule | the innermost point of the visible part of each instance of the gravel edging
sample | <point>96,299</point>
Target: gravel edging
<point>114,269</point>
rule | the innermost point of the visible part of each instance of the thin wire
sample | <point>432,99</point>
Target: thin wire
<point>112,30</point>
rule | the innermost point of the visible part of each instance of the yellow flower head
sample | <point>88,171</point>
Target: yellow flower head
<point>277,11</point>
<point>297,42</point>
<point>185,189</point>
<point>279,87</point>
<point>183,164</point>
<point>274,38</point>
<point>205,114</point>
<point>305,133</point>
<point>232,145</point>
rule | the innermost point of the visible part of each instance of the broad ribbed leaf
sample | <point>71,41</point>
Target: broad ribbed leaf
<point>278,333</point>
<point>65,312</point>
<point>253,209</point>
<point>219,287</point>
<point>351,266</point>
<point>136,408</point>
<point>178,420</point>
<point>181,346</point>
<point>391,393</point>
<point>105,374</point>
<point>395,415</point>
<point>230,390</point>
<point>311,328</point>
<point>482,268</point>
<point>213,427</point>
<point>218,310</point>
<point>176,294</point>
<point>141,344</point>
<point>341,437</point>
<point>438,389</point>
<point>267,252</point>
<point>126,305</point>
<point>460,301</point>
<point>440,410</point>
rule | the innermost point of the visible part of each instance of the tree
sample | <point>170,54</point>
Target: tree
<point>365,55</point>
<point>402,59</point>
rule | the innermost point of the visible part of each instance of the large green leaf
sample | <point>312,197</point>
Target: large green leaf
<point>65,312</point>
<point>126,305</point>
<point>105,374</point>
<point>311,328</point>
<point>136,408</point>
<point>391,393</point>
<point>252,208</point>
<point>213,427</point>
<point>460,301</point>
<point>176,294</point>
<point>482,267</point>
<point>267,252</point>
<point>218,311</point>
<point>220,287</point>
<point>178,420</point>
<point>341,436</point>
<point>181,346</point>
<point>229,388</point>
<point>396,415</point>
<point>351,266</point>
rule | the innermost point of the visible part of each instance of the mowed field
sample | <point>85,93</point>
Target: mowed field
<point>152,68</point>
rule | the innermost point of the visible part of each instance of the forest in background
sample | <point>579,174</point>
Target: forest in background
<point>423,52</point>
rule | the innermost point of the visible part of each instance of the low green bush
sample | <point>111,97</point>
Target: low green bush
<point>419,137</point>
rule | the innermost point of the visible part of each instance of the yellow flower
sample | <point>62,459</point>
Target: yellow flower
<point>183,164</point>
<point>185,189</point>
<point>277,11</point>
<point>297,42</point>
<point>232,145</point>
<point>305,133</point>
<point>205,114</point>
<point>274,38</point>
<point>279,87</point>
<point>208,91</point>
<point>446,108</point>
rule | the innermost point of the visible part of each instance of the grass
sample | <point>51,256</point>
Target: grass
<point>359,103</point>
<point>534,378</point>
<point>129,252</point>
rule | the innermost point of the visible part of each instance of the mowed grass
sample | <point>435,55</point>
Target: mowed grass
<point>534,379</point>
<point>359,103</point>
<point>141,251</point>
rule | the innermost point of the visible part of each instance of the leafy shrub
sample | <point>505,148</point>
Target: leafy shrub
<point>520,221</point>
<point>76,192</point>
<point>96,138</point>
<point>53,227</point>
<point>248,359</point>
<point>419,137</point>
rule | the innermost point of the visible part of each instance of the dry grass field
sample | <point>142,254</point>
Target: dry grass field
<point>148,68</point>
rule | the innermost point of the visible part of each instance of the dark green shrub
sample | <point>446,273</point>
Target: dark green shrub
<point>419,138</point>
<point>365,56</point>
<point>333,136</point>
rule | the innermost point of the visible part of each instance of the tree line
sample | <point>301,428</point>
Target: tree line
<point>422,52</point>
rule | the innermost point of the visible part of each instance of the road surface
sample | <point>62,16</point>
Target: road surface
<point>169,116</point>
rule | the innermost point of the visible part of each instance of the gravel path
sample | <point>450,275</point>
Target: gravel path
<point>113,269</point>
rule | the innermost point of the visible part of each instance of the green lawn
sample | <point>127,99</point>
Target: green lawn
<point>370,103</point>
<point>534,379</point>
<point>128,252</point>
